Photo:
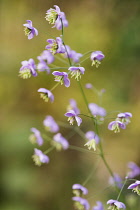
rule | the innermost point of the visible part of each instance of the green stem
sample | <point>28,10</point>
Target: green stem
<point>81,149</point>
<point>49,150</point>
<point>122,189</point>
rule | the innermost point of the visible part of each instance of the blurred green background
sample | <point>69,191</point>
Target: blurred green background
<point>112,26</point>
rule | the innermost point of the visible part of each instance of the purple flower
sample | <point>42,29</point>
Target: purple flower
<point>97,110</point>
<point>125,117</point>
<point>99,206</point>
<point>93,139</point>
<point>117,204</point>
<point>46,94</point>
<point>73,106</point>
<point>50,124</point>
<point>116,125</point>
<point>135,187</point>
<point>56,17</point>
<point>36,137</point>
<point>76,71</point>
<point>81,203</point>
<point>28,69</point>
<point>46,56</point>
<point>55,46</point>
<point>72,116</point>
<point>62,77</point>
<point>134,170</point>
<point>96,58</point>
<point>60,142</point>
<point>39,157</point>
<point>72,54</point>
<point>88,86</point>
<point>116,180</point>
<point>42,66</point>
<point>78,189</point>
<point>30,31</point>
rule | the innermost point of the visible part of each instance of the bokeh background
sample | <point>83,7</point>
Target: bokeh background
<point>112,26</point>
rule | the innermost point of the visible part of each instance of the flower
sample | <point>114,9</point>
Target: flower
<point>125,117</point>
<point>39,157</point>
<point>81,203</point>
<point>76,71</point>
<point>72,54</point>
<point>72,116</point>
<point>56,17</point>
<point>46,56</point>
<point>46,94</point>
<point>42,66</point>
<point>50,124</point>
<point>73,106</point>
<point>96,58</point>
<point>99,206</point>
<point>60,142</point>
<point>28,69</point>
<point>116,204</point>
<point>134,170</point>
<point>78,189</point>
<point>93,139</point>
<point>97,110</point>
<point>116,180</point>
<point>55,46</point>
<point>62,77</point>
<point>88,86</point>
<point>36,137</point>
<point>135,187</point>
<point>116,125</point>
<point>30,31</point>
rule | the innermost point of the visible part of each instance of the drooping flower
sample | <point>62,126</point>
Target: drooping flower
<point>134,170</point>
<point>116,205</point>
<point>88,86</point>
<point>39,157</point>
<point>46,94</point>
<point>116,180</point>
<point>73,106</point>
<point>97,110</point>
<point>93,139</point>
<point>72,116</point>
<point>99,206</point>
<point>72,54</point>
<point>30,31</point>
<point>56,17</point>
<point>36,137</point>
<point>135,187</point>
<point>50,124</point>
<point>62,77</point>
<point>59,142</point>
<point>116,125</point>
<point>81,203</point>
<point>76,71</point>
<point>96,58</point>
<point>78,190</point>
<point>125,117</point>
<point>55,46</point>
<point>28,69</point>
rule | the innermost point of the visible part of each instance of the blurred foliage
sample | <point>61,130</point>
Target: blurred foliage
<point>112,26</point>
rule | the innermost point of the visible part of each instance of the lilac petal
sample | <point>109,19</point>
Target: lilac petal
<point>66,81</point>
<point>99,206</point>
<point>78,120</point>
<point>83,202</point>
<point>70,113</point>
<point>134,185</point>
<point>80,187</point>
<point>60,139</point>
<point>37,134</point>
<point>43,158</point>
<point>50,122</point>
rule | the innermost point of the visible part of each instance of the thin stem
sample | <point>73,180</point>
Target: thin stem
<point>91,174</point>
<point>81,149</point>
<point>122,189</point>
<point>49,150</point>
<point>60,59</point>
<point>55,86</point>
